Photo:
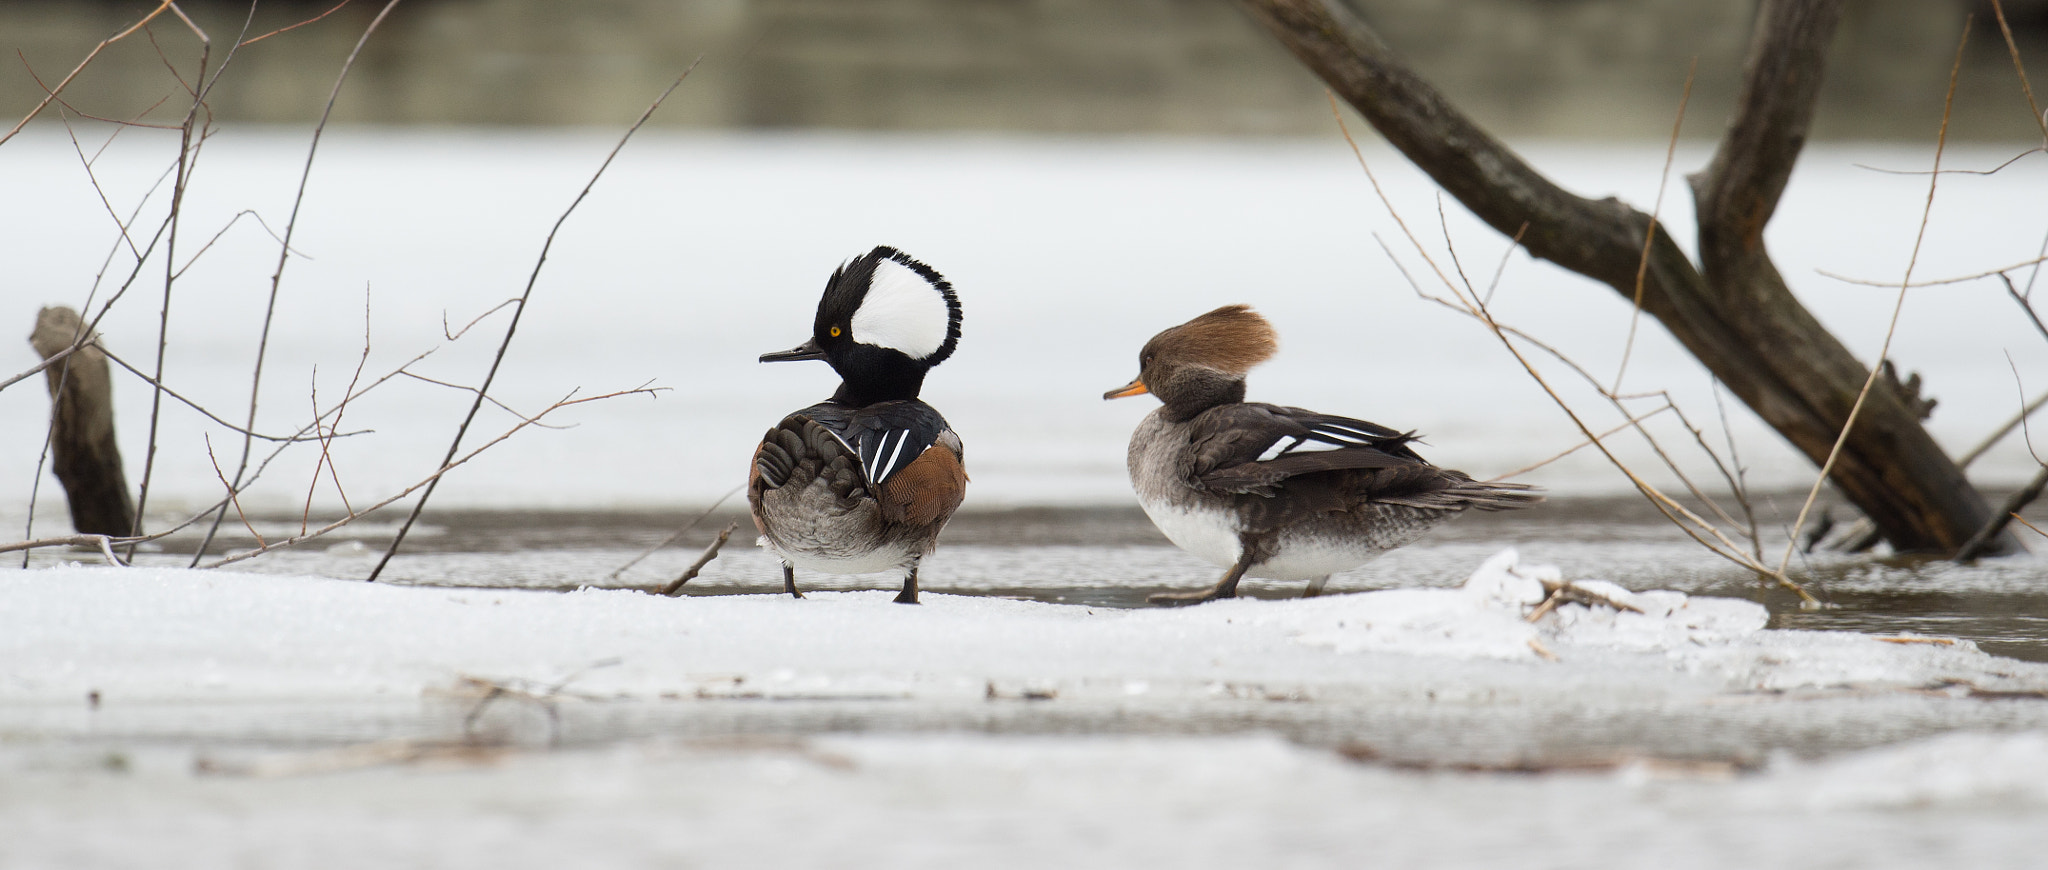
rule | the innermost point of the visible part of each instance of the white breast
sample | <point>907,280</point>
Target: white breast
<point>1211,535</point>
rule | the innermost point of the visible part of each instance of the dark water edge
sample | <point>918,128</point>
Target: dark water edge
<point>1113,557</point>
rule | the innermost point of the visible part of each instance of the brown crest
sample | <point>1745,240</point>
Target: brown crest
<point>1232,338</point>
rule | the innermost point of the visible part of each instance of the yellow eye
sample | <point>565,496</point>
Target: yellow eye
<point>835,332</point>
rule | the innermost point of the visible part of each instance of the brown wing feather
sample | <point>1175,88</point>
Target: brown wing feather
<point>926,491</point>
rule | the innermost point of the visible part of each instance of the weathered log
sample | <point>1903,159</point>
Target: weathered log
<point>1736,315</point>
<point>82,448</point>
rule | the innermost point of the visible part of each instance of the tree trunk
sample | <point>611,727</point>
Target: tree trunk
<point>85,458</point>
<point>1736,315</point>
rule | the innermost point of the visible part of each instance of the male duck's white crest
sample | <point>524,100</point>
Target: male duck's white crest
<point>906,309</point>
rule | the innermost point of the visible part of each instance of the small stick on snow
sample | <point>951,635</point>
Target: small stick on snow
<point>710,553</point>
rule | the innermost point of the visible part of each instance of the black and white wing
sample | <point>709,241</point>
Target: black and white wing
<point>1251,447</point>
<point>885,437</point>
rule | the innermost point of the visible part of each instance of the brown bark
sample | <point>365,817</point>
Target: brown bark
<point>1735,314</point>
<point>82,447</point>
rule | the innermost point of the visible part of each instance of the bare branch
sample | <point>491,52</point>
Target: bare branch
<point>427,482</point>
<point>285,251</point>
<point>1884,351</point>
<point>711,552</point>
<point>2013,49</point>
<point>145,378</point>
<point>1999,434</point>
<point>614,575</point>
<point>452,336</point>
<point>288,29</point>
<point>492,399</point>
<point>1979,542</point>
<point>233,496</point>
<point>513,327</point>
<point>1991,273</point>
<point>53,92</point>
<point>1635,318</point>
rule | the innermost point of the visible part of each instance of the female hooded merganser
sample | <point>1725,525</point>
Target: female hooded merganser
<point>1269,491</point>
<point>863,481</point>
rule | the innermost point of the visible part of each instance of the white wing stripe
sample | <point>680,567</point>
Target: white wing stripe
<point>889,467</point>
<point>1345,432</point>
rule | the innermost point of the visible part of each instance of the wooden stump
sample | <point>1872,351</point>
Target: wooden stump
<point>82,447</point>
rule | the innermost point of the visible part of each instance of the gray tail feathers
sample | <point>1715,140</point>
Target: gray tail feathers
<point>1490,496</point>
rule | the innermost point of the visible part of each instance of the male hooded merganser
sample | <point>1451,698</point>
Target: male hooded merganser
<point>863,481</point>
<point>1269,491</point>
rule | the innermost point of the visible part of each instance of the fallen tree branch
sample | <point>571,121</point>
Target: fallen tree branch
<point>1722,311</point>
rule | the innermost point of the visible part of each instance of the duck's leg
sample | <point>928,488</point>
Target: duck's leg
<point>1224,588</point>
<point>789,580</point>
<point>909,593</point>
<point>1315,587</point>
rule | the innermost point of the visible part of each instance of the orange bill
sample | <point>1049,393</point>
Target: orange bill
<point>1135,388</point>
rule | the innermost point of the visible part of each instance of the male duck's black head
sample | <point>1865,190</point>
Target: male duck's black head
<point>1202,363</point>
<point>884,321</point>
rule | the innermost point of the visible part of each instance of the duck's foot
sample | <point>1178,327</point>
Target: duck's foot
<point>909,593</point>
<point>1182,599</point>
<point>1224,588</point>
<point>1315,587</point>
<point>789,580</point>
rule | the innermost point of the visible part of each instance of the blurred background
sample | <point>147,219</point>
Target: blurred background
<point>1589,69</point>
<point>1086,172</point>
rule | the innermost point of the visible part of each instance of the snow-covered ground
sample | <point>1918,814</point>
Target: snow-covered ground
<point>225,718</point>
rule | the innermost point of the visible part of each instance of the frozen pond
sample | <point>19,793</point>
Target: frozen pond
<point>695,254</point>
<point>1032,710</point>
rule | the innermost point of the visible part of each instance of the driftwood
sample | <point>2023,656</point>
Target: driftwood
<point>1733,311</point>
<point>82,448</point>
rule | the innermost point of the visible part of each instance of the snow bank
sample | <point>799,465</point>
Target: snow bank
<point>166,634</point>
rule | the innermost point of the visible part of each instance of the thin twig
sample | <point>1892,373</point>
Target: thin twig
<point>1905,281</point>
<point>145,378</point>
<point>188,157</point>
<point>1990,273</point>
<point>513,327</point>
<point>2012,48</point>
<point>1617,400</point>
<point>233,496</point>
<point>492,399</point>
<point>1632,421</point>
<point>1650,230</point>
<point>428,481</point>
<point>225,501</point>
<point>1672,510</point>
<point>1980,541</point>
<point>1999,434</point>
<point>2025,305</point>
<point>614,575</point>
<point>285,250</point>
<point>452,336</point>
<point>288,29</point>
<point>1739,478</point>
<point>710,553</point>
<point>53,92</point>
<point>1992,171</point>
